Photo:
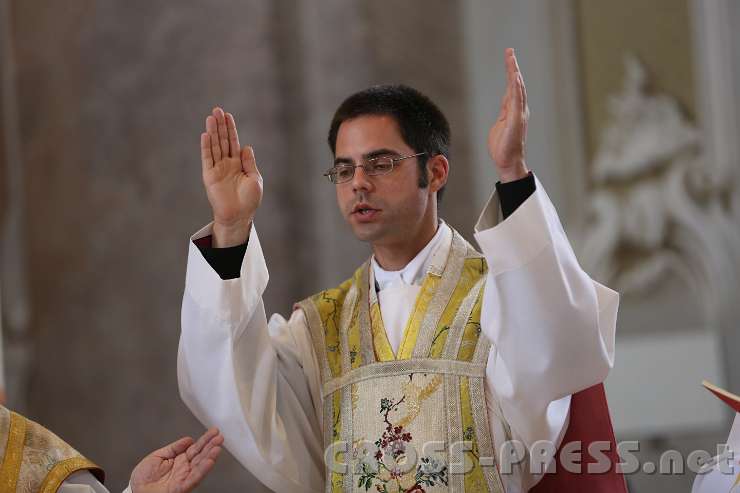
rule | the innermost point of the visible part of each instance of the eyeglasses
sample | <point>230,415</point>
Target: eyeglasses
<point>372,167</point>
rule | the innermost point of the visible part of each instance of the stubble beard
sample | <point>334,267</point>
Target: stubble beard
<point>368,233</point>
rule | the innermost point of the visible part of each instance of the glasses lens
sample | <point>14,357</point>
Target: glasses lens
<point>379,166</point>
<point>340,174</point>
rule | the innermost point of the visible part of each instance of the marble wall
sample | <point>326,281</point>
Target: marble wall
<point>111,99</point>
<point>571,53</point>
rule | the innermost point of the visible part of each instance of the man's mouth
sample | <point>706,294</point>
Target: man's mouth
<point>364,211</point>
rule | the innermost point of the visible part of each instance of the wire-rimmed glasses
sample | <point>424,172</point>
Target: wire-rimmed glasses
<point>382,165</point>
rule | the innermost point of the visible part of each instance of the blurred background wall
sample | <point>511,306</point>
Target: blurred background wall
<point>103,103</point>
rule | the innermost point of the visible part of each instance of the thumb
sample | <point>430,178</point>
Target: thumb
<point>249,165</point>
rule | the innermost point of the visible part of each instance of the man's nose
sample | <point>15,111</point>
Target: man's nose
<point>360,180</point>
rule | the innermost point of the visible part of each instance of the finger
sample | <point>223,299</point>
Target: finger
<point>198,473</point>
<point>249,164</point>
<point>223,134</point>
<point>518,72</point>
<point>210,457</point>
<point>510,80</point>
<point>181,445</point>
<point>196,447</point>
<point>206,157</point>
<point>505,102</point>
<point>518,96</point>
<point>174,449</point>
<point>524,92</point>
<point>214,442</point>
<point>234,147</point>
<point>511,66</point>
<point>515,62</point>
<point>211,128</point>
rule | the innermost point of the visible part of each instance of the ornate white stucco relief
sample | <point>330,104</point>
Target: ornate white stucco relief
<point>657,206</point>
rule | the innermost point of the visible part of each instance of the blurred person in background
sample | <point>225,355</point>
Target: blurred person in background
<point>33,459</point>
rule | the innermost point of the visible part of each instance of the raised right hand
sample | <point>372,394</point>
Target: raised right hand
<point>233,183</point>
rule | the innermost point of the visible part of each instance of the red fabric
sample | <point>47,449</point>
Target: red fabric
<point>589,422</point>
<point>204,242</point>
<point>728,398</point>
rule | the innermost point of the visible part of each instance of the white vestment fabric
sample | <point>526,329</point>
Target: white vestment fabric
<point>83,482</point>
<point>552,328</point>
<point>722,473</point>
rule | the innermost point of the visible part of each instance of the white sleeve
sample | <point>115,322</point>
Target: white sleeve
<point>257,382</point>
<point>552,326</point>
<point>81,482</point>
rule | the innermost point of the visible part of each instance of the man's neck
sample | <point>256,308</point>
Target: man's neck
<point>395,256</point>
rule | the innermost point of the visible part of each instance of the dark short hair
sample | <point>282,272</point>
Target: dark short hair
<point>423,126</point>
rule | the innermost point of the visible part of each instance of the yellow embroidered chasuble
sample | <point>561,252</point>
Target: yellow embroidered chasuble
<point>33,459</point>
<point>415,421</point>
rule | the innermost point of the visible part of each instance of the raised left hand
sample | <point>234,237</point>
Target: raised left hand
<point>507,137</point>
<point>179,466</point>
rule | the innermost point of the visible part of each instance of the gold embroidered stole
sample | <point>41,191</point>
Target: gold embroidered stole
<point>33,459</point>
<point>432,390</point>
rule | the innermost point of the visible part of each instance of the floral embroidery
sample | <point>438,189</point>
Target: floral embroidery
<point>385,468</point>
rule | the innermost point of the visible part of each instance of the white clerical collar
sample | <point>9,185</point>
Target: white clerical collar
<point>413,273</point>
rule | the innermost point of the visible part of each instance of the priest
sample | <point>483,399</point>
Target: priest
<point>33,459</point>
<point>432,356</point>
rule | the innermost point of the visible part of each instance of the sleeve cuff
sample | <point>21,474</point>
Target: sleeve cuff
<point>226,262</point>
<point>206,286</point>
<point>512,243</point>
<point>513,194</point>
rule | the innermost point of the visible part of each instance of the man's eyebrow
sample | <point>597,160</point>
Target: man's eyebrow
<point>380,152</point>
<point>370,155</point>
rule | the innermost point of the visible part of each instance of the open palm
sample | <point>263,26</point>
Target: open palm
<point>233,183</point>
<point>177,467</point>
<point>506,138</point>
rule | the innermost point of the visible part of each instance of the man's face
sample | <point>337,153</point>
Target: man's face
<point>383,209</point>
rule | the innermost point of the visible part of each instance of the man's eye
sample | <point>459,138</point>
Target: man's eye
<point>381,166</point>
<point>343,172</point>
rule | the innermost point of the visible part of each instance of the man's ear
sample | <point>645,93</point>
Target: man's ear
<point>438,169</point>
